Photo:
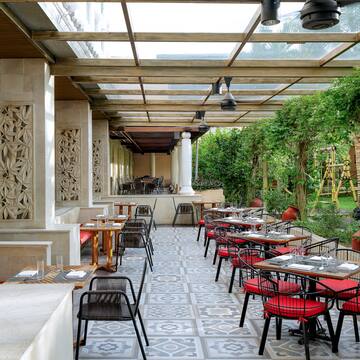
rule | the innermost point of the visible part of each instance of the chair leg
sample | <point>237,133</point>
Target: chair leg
<point>338,332</point>
<point>207,247</point>
<point>215,254</point>
<point>78,340</point>
<point>243,312</point>
<point>356,328</point>
<point>205,238</point>
<point>264,335</point>
<point>149,258</point>
<point>193,218</point>
<point>143,328</point>
<point>199,233</point>
<point>306,341</point>
<point>218,269</point>
<point>330,327</point>
<point>138,336</point>
<point>85,331</point>
<point>175,217</point>
<point>278,328</point>
<point>232,279</point>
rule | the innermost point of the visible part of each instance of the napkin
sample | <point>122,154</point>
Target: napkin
<point>100,216</point>
<point>319,258</point>
<point>89,224</point>
<point>76,274</point>
<point>275,232</point>
<point>26,273</point>
<point>288,236</point>
<point>256,235</point>
<point>301,267</point>
<point>283,257</point>
<point>348,266</point>
<point>117,224</point>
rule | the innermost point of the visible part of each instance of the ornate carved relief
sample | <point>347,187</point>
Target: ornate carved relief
<point>16,162</point>
<point>97,166</point>
<point>68,164</point>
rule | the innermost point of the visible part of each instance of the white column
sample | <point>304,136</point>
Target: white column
<point>174,167</point>
<point>152,165</point>
<point>186,165</point>
<point>179,178</point>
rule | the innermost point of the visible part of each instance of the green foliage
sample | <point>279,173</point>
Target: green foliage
<point>328,222</point>
<point>277,201</point>
<point>206,184</point>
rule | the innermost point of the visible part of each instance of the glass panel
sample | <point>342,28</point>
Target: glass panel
<point>120,86</point>
<point>85,16</point>
<point>190,17</point>
<point>176,87</point>
<point>283,97</point>
<point>309,86</point>
<point>290,20</point>
<point>169,114</point>
<point>184,50</point>
<point>124,97</point>
<point>102,49</point>
<point>256,86</point>
<point>242,98</point>
<point>267,51</point>
<point>132,114</point>
<point>351,54</point>
<point>174,97</point>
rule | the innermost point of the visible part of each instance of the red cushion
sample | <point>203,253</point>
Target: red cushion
<point>285,287</point>
<point>352,305</point>
<point>225,225</point>
<point>239,241</point>
<point>283,250</point>
<point>337,286</point>
<point>209,226</point>
<point>248,259</point>
<point>227,252</point>
<point>85,236</point>
<point>201,222</point>
<point>294,308</point>
<point>210,234</point>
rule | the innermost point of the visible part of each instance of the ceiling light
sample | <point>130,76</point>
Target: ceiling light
<point>269,12</point>
<point>199,115</point>
<point>229,102</point>
<point>216,89</point>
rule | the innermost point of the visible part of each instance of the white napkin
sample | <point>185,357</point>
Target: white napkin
<point>319,258</point>
<point>348,266</point>
<point>301,267</point>
<point>26,273</point>
<point>76,274</point>
<point>275,232</point>
<point>100,216</point>
<point>283,257</point>
<point>117,224</point>
<point>288,236</point>
<point>89,224</point>
<point>256,235</point>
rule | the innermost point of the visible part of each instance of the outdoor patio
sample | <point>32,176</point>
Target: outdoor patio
<point>189,316</point>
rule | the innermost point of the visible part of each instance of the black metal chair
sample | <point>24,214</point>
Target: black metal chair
<point>140,225</point>
<point>322,247</point>
<point>184,209</point>
<point>145,211</point>
<point>108,301</point>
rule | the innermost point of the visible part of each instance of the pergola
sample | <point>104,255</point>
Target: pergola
<point>147,73</point>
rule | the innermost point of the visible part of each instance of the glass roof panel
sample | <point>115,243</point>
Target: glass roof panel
<point>256,86</point>
<point>290,22</point>
<point>120,86</point>
<point>124,97</point>
<point>309,86</point>
<point>132,114</point>
<point>184,50</point>
<point>243,98</point>
<point>174,17</point>
<point>351,54</point>
<point>174,97</point>
<point>102,49</point>
<point>268,51</point>
<point>283,97</point>
<point>85,16</point>
<point>176,87</point>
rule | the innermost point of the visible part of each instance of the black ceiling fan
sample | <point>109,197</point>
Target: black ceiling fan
<point>315,14</point>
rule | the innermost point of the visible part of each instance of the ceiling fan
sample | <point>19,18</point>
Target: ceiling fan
<point>315,14</point>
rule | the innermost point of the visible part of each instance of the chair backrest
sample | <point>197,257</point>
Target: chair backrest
<point>301,230</point>
<point>133,238</point>
<point>185,208</point>
<point>143,210</point>
<point>322,247</point>
<point>349,255</point>
<point>247,258</point>
<point>138,298</point>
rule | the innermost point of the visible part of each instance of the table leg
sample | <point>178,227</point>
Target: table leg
<point>201,211</point>
<point>130,211</point>
<point>95,249</point>
<point>107,235</point>
<point>121,208</point>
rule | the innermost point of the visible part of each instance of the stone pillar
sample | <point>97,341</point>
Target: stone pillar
<point>73,153</point>
<point>27,138</point>
<point>152,164</point>
<point>101,158</point>
<point>179,177</point>
<point>186,165</point>
<point>174,167</point>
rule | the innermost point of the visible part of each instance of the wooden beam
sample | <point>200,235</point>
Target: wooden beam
<point>336,52</point>
<point>154,1</point>
<point>151,71</point>
<point>194,37</point>
<point>27,33</point>
<point>178,107</point>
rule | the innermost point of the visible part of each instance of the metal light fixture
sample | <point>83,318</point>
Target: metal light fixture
<point>269,12</point>
<point>203,126</point>
<point>216,88</point>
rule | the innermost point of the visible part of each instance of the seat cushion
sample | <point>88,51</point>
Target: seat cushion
<point>352,305</point>
<point>211,234</point>
<point>294,308</point>
<point>228,252</point>
<point>201,222</point>
<point>85,236</point>
<point>286,287</point>
<point>283,250</point>
<point>106,311</point>
<point>239,241</point>
<point>337,286</point>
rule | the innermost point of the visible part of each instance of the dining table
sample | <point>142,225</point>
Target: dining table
<point>231,210</point>
<point>201,205</point>
<point>314,267</point>
<point>122,204</point>
<point>107,230</point>
<point>247,222</point>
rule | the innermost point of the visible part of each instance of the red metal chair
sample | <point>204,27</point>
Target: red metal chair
<point>209,230</point>
<point>301,305</point>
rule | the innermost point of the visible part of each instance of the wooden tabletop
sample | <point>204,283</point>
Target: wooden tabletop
<point>269,238</point>
<point>232,210</point>
<point>115,218</point>
<point>335,273</point>
<point>53,276</point>
<point>103,227</point>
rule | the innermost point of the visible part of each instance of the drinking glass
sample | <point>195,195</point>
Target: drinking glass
<point>253,228</point>
<point>40,267</point>
<point>59,263</point>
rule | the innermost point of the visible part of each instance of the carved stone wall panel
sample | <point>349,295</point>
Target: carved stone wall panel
<point>97,166</point>
<point>16,162</point>
<point>68,164</point>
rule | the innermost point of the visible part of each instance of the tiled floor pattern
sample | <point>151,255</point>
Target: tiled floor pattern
<point>189,316</point>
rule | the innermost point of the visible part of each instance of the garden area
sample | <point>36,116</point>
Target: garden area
<point>303,156</point>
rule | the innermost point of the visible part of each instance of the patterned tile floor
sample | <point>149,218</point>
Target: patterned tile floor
<point>189,316</point>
